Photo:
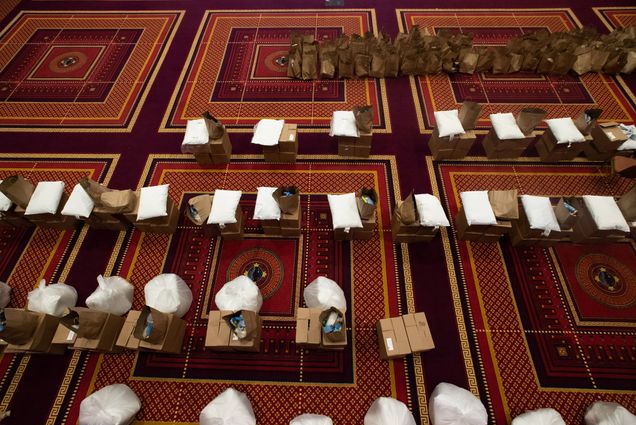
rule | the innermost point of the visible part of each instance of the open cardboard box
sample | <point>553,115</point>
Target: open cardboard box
<point>39,335</point>
<point>252,341</point>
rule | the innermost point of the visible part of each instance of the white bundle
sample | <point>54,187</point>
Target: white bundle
<point>231,407</point>
<point>113,295</point>
<point>324,293</point>
<point>169,294</point>
<point>115,404</point>
<point>239,294</point>
<point>607,413</point>
<point>539,417</point>
<point>452,405</point>
<point>311,419</point>
<point>388,411</point>
<point>5,294</point>
<point>52,299</point>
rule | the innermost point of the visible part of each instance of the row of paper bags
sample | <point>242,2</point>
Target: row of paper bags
<point>449,405</point>
<point>416,53</point>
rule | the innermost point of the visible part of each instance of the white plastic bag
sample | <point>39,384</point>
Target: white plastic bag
<point>452,405</point>
<point>388,411</point>
<point>113,295</point>
<point>115,404</point>
<point>231,407</point>
<point>52,299</point>
<point>311,419</point>
<point>239,294</point>
<point>539,417</point>
<point>5,294</point>
<point>607,413</point>
<point>169,294</point>
<point>324,293</point>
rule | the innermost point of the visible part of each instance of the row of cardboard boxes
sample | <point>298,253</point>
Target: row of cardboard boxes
<point>107,333</point>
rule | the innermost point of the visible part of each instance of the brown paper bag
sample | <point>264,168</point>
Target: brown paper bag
<point>586,120</point>
<point>362,65</point>
<point>214,126</point>
<point>288,204</point>
<point>529,118</point>
<point>366,209</point>
<point>118,201</point>
<point>94,190</point>
<point>378,63</point>
<point>328,60</point>
<point>358,46</point>
<point>630,62</point>
<point>504,204</point>
<point>486,58</point>
<point>18,190</point>
<point>391,62</point>
<point>530,61</point>
<point>583,62</point>
<point>20,326</point>
<point>406,211</point>
<point>563,62</point>
<point>469,114</point>
<point>310,60</point>
<point>599,58</point>
<point>468,59</point>
<point>516,61</point>
<point>159,326</point>
<point>450,61</point>
<point>86,323</point>
<point>408,65</point>
<point>294,61</point>
<point>345,60</point>
<point>616,61</point>
<point>364,118</point>
<point>432,63</point>
<point>501,61</point>
<point>546,62</point>
<point>198,209</point>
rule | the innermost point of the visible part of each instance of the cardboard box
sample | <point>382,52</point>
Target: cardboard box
<point>479,233</point>
<point>447,148</point>
<point>221,146</point>
<point>608,137</point>
<point>504,149</point>
<point>418,332</point>
<point>126,339</point>
<point>252,342</point>
<point>51,221</point>
<point>271,230</point>
<point>334,340</point>
<point>564,217</point>
<point>405,238</point>
<point>64,336</point>
<point>364,140</point>
<point>106,338</point>
<point>627,204</point>
<point>42,337</point>
<point>288,140</point>
<point>14,219</point>
<point>167,224</point>
<point>585,229</point>
<point>346,149</point>
<point>99,219</point>
<point>593,154</point>
<point>392,338</point>
<point>549,150</point>
<point>280,157</point>
<point>217,336</point>
<point>308,327</point>
<point>173,333</point>
<point>229,230</point>
<point>291,220</point>
<point>221,158</point>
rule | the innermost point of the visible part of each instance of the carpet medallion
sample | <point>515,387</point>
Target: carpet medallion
<point>548,326</point>
<point>374,276</point>
<point>237,70</point>
<point>80,70</point>
<point>560,96</point>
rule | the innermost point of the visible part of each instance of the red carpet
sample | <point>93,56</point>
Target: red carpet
<point>105,88</point>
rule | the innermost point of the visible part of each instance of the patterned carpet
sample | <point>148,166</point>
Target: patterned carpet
<point>104,88</point>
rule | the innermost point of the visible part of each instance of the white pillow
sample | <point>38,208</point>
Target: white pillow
<point>448,123</point>
<point>565,131</point>
<point>231,407</point>
<point>224,206</point>
<point>388,411</point>
<point>114,404</point>
<point>430,211</point>
<point>267,132</point>
<point>477,208</point>
<point>344,211</point>
<point>608,413</point>
<point>79,204</point>
<point>450,404</point>
<point>5,203</point>
<point>506,126</point>
<point>606,213</point>
<point>343,123</point>
<point>540,214</point>
<point>311,419</point>
<point>153,202</point>
<point>266,206</point>
<point>45,199</point>
<point>196,133</point>
<point>539,417</point>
